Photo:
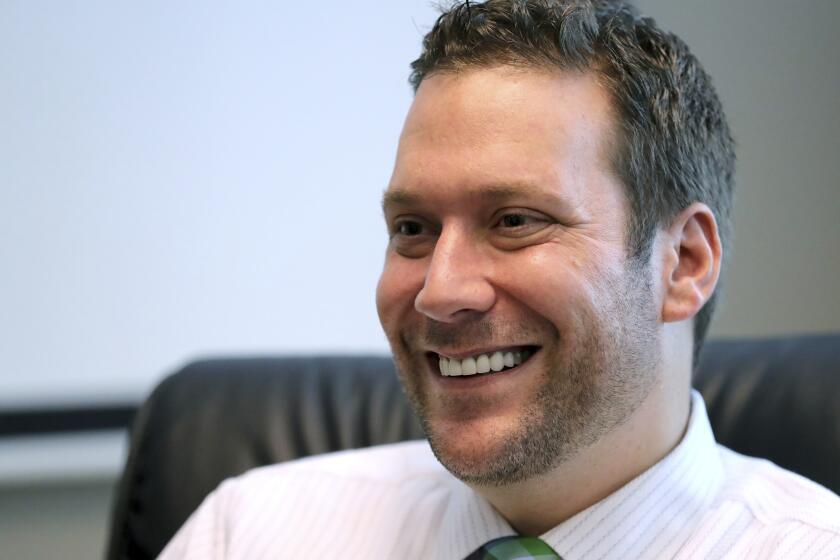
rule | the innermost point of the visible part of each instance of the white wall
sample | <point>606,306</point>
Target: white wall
<point>182,179</point>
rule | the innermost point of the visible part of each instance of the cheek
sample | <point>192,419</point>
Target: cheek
<point>398,286</point>
<point>558,291</point>
<point>541,280</point>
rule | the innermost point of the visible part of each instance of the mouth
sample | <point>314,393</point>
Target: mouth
<point>482,363</point>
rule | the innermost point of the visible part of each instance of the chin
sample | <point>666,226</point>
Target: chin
<point>489,452</point>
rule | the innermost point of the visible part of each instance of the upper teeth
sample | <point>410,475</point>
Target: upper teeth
<point>482,363</point>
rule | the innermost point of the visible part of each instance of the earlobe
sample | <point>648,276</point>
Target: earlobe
<point>691,264</point>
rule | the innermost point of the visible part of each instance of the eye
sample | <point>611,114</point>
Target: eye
<point>520,223</point>
<point>411,236</point>
<point>408,228</point>
<point>514,220</point>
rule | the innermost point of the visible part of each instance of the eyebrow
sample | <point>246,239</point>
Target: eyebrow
<point>399,196</point>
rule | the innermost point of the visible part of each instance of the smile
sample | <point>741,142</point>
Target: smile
<point>500,360</point>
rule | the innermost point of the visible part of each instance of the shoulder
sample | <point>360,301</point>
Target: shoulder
<point>388,472</point>
<point>360,498</point>
<point>776,495</point>
<point>393,464</point>
<point>783,514</point>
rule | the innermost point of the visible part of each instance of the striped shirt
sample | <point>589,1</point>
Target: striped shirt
<point>396,501</point>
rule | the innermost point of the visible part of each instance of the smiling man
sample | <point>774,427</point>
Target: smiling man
<point>558,215</point>
<point>530,342</point>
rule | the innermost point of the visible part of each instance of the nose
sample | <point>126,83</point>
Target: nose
<point>457,282</point>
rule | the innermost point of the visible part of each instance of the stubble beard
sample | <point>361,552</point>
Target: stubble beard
<point>592,388</point>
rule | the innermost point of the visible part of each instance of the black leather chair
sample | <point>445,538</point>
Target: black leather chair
<point>778,399</point>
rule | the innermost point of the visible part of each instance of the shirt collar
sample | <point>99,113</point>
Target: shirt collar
<point>468,522</point>
<point>661,503</point>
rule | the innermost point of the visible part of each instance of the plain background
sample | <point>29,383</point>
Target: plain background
<point>184,179</point>
<point>178,180</point>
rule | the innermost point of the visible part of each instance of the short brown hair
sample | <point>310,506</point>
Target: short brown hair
<point>675,146</point>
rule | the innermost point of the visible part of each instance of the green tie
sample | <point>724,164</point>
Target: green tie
<point>515,548</point>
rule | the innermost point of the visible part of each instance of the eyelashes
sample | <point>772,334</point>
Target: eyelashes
<point>413,236</point>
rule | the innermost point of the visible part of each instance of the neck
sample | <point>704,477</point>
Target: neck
<point>534,506</point>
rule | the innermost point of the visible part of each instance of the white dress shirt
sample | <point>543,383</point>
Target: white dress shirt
<point>396,501</point>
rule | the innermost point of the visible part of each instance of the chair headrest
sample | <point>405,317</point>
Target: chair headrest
<point>778,399</point>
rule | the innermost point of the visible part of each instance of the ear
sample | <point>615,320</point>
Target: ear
<point>691,265</point>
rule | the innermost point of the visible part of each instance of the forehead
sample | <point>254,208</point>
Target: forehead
<point>499,130</point>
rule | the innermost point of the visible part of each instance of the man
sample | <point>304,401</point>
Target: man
<point>558,216</point>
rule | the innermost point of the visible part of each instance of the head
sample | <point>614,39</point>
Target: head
<point>550,148</point>
<point>672,141</point>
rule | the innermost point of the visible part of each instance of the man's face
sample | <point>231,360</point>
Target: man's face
<point>508,237</point>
